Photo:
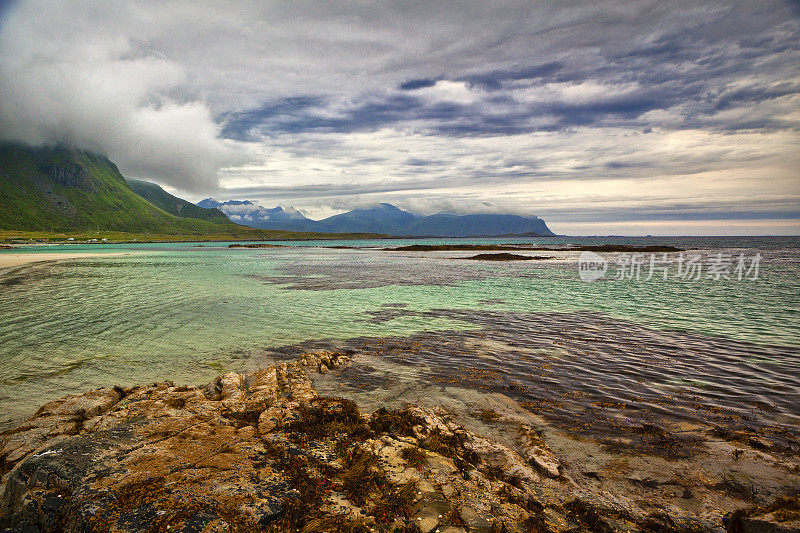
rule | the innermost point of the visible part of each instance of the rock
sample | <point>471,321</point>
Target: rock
<point>553,520</point>
<point>74,175</point>
<point>539,454</point>
<point>782,516</point>
<point>88,405</point>
<point>256,245</point>
<point>606,512</point>
<point>429,524</point>
<point>766,524</point>
<point>225,387</point>
<point>258,450</point>
<point>475,521</point>
<point>760,443</point>
<point>263,451</point>
<point>501,460</point>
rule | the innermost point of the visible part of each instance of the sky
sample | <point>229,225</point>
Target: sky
<point>620,117</point>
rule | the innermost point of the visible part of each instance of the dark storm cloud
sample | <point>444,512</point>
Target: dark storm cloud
<point>494,80</point>
<point>492,115</point>
<point>329,99</point>
<point>680,72</point>
<point>295,115</point>
<point>413,85</point>
<point>5,5</point>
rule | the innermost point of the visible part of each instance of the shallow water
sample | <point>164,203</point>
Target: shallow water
<point>186,313</point>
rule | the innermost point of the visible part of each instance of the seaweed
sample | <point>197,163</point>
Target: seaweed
<point>488,415</point>
<point>414,456</point>
<point>395,422</point>
<point>327,417</point>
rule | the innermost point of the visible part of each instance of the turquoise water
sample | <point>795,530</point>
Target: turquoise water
<point>187,313</point>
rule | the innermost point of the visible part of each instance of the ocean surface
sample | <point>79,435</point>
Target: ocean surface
<point>718,344</point>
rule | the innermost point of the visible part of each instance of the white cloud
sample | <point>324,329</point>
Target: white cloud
<point>150,84</point>
<point>87,87</point>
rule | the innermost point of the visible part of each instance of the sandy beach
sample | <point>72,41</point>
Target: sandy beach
<point>18,259</point>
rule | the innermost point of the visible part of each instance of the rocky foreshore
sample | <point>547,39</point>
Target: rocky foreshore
<point>265,452</point>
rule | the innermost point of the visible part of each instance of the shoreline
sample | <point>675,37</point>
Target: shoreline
<point>284,447</point>
<point>14,260</point>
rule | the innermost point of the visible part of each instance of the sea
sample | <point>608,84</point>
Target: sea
<point>593,342</point>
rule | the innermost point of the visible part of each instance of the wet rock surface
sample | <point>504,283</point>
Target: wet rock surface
<point>515,246</point>
<point>782,516</point>
<point>256,245</point>
<point>265,452</point>
<point>505,257</point>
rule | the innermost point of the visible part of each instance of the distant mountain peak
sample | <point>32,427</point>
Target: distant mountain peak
<point>384,208</point>
<point>382,218</point>
<point>293,213</point>
<point>208,203</point>
<point>251,214</point>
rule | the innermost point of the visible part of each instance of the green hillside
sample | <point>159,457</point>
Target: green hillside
<point>64,189</point>
<point>55,193</point>
<point>174,205</point>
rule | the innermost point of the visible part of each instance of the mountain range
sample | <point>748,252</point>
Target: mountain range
<point>247,213</point>
<point>383,218</point>
<point>61,189</point>
<point>54,190</point>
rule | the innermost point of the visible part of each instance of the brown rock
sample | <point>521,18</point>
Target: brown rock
<point>263,452</point>
<point>782,516</point>
<point>539,454</point>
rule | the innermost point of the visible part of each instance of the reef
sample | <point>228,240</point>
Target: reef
<point>264,451</point>
<point>256,245</point>
<point>528,247</point>
<point>504,257</point>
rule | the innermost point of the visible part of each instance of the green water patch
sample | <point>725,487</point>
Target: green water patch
<point>187,314</point>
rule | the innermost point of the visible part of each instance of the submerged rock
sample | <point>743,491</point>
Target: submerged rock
<point>533,247</point>
<point>256,245</point>
<point>782,516</point>
<point>504,257</point>
<point>264,452</point>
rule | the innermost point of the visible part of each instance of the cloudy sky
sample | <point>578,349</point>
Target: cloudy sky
<point>601,117</point>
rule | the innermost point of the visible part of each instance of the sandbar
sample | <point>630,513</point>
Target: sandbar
<point>11,260</point>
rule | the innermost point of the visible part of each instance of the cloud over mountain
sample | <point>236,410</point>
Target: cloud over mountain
<point>612,108</point>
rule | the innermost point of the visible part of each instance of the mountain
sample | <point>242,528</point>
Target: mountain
<point>247,213</point>
<point>383,218</point>
<point>477,225</point>
<point>52,190</point>
<point>386,216</point>
<point>174,205</point>
<point>57,189</point>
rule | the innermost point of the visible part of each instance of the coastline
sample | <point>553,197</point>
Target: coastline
<point>13,260</point>
<point>285,448</point>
